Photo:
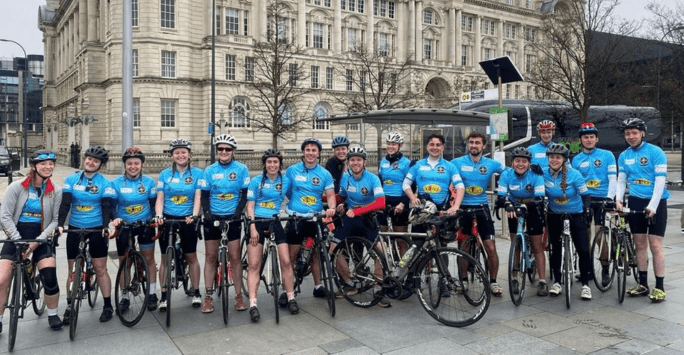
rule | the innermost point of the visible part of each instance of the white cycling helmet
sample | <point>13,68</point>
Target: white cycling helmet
<point>226,139</point>
<point>394,137</point>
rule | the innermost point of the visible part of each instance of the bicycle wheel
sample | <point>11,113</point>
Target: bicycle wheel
<point>475,250</point>
<point>132,284</point>
<point>601,255</point>
<point>516,271</point>
<point>245,265</point>
<point>16,304</point>
<point>621,268</point>
<point>532,271</point>
<point>76,296</point>
<point>38,295</point>
<point>630,258</point>
<point>274,283</point>
<point>94,289</point>
<point>467,303</point>
<point>354,261</point>
<point>223,284</point>
<point>327,277</point>
<point>567,269</point>
<point>169,266</point>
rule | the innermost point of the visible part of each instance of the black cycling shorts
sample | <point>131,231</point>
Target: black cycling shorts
<point>485,224</point>
<point>99,245</point>
<point>214,233</point>
<point>398,220</point>
<point>304,229</point>
<point>262,229</point>
<point>28,231</point>
<point>189,236</point>
<point>638,224</point>
<point>533,222</point>
<point>144,235</point>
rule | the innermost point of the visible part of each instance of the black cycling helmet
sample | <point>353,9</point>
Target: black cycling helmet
<point>42,155</point>
<point>314,141</point>
<point>357,152</point>
<point>587,128</point>
<point>633,122</point>
<point>272,152</point>
<point>558,149</point>
<point>180,143</point>
<point>98,153</point>
<point>340,141</point>
<point>134,152</point>
<point>521,152</point>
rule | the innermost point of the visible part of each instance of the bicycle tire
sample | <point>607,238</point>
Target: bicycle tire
<point>361,257</point>
<point>224,285</point>
<point>39,295</point>
<point>76,296</point>
<point>567,269</point>
<point>464,306</point>
<point>94,288</point>
<point>245,264</point>
<point>132,279</point>
<point>169,270</point>
<point>631,257</point>
<point>476,251</point>
<point>327,278</point>
<point>601,254</point>
<point>516,274</point>
<point>532,267</point>
<point>275,279</point>
<point>620,266</point>
<point>16,304</point>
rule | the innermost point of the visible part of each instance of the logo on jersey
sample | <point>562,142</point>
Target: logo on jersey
<point>94,189</point>
<point>232,176</point>
<point>279,187</point>
<point>179,199</point>
<point>225,196</point>
<point>135,209</point>
<point>643,161</point>
<point>81,208</point>
<point>561,201</point>
<point>441,170</point>
<point>188,180</point>
<point>642,182</point>
<point>32,214</point>
<point>483,170</point>
<point>592,184</point>
<point>269,205</point>
<point>395,166</point>
<point>141,189</point>
<point>388,182</point>
<point>364,191</point>
<point>316,181</point>
<point>473,190</point>
<point>308,200</point>
<point>598,163</point>
<point>529,187</point>
<point>432,188</point>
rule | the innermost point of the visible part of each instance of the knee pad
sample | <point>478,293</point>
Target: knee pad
<point>49,276</point>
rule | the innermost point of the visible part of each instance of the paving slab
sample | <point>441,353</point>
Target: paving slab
<point>540,324</point>
<point>442,346</point>
<point>512,343</point>
<point>632,346</point>
<point>656,331</point>
<point>587,337</point>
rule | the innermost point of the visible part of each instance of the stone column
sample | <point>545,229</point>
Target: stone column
<point>412,28</point>
<point>370,26</point>
<point>477,53</point>
<point>92,20</point>
<point>301,23</point>
<point>501,40</point>
<point>337,27</point>
<point>49,55</point>
<point>263,31</point>
<point>520,63</point>
<point>418,19</point>
<point>82,21</point>
<point>459,36</point>
<point>451,36</point>
<point>399,14</point>
<point>222,20</point>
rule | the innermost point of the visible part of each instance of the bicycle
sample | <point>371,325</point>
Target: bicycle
<point>521,260</point>
<point>394,247</point>
<point>223,279</point>
<point>568,257</point>
<point>132,279</point>
<point>176,268</point>
<point>86,282</point>
<point>472,243</point>
<point>434,268</point>
<point>26,285</point>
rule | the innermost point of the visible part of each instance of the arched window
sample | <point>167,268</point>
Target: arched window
<point>238,113</point>
<point>320,111</point>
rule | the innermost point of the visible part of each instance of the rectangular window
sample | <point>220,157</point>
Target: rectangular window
<point>530,35</point>
<point>246,14</point>
<point>326,3</point>
<point>136,112</point>
<point>508,91</point>
<point>427,46</point>
<point>382,45</point>
<point>168,64</point>
<point>352,126</point>
<point>351,39</point>
<point>314,77</point>
<point>134,63</point>
<point>317,2</point>
<point>383,8</point>
<point>390,12</point>
<point>375,7</point>
<point>464,55</point>
<point>362,80</point>
<point>218,23</point>
<point>282,30</point>
<point>517,92</point>
<point>292,80</point>
<point>509,2</point>
<point>467,23</point>
<point>528,4</point>
<point>292,30</point>
<point>168,113</point>
<point>510,31</point>
<point>352,5</point>
<point>230,67</point>
<point>232,21</point>
<point>134,13</point>
<point>487,54</point>
<point>249,69</point>
<point>361,5</point>
<point>329,78</point>
<point>329,37</point>
<point>343,4</point>
<point>485,27</point>
<point>318,35</point>
<point>528,62</point>
<point>168,13</point>
<point>427,16</point>
<point>350,80</point>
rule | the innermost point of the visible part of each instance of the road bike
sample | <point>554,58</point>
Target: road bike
<point>470,242</point>
<point>176,268</point>
<point>521,259</point>
<point>223,279</point>
<point>131,290</point>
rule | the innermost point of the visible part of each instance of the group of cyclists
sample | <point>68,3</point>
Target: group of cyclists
<point>541,176</point>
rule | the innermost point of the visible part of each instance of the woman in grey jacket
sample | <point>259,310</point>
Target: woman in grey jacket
<point>29,211</point>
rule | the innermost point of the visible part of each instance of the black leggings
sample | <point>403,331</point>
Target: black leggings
<point>580,237</point>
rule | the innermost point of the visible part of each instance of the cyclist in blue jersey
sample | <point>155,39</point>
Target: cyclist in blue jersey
<point>433,176</point>
<point>567,193</point>
<point>337,164</point>
<point>545,130</point>
<point>309,183</point>
<point>135,198</point>
<point>476,172</point>
<point>224,196</point>
<point>523,185</point>
<point>90,198</point>
<point>265,196</point>
<point>30,209</point>
<point>644,167</point>
<point>178,196</point>
<point>392,171</point>
<point>363,195</point>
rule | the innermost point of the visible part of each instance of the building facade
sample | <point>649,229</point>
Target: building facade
<point>16,73</point>
<point>172,62</point>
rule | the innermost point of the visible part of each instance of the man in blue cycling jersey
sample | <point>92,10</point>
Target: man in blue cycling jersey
<point>545,130</point>
<point>476,172</point>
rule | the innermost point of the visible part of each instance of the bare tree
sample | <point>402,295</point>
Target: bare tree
<point>277,78</point>
<point>574,53</point>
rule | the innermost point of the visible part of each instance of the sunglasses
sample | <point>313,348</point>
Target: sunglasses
<point>133,150</point>
<point>224,149</point>
<point>45,156</point>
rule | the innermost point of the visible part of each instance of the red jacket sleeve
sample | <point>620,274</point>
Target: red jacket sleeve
<point>376,205</point>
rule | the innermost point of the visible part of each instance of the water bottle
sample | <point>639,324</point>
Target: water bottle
<point>403,263</point>
<point>308,245</point>
<point>28,265</point>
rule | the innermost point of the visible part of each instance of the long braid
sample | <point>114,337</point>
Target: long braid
<point>564,178</point>
<point>263,181</point>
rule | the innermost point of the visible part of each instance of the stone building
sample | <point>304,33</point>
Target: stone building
<point>172,62</point>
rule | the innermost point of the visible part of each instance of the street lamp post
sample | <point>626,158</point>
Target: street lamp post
<point>24,91</point>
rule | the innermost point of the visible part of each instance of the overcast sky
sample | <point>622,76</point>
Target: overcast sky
<point>19,22</point>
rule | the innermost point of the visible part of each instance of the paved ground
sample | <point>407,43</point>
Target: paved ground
<point>539,325</point>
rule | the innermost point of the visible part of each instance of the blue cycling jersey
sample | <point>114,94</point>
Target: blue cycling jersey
<point>33,209</point>
<point>224,183</point>
<point>596,166</point>
<point>86,198</point>
<point>572,203</point>
<point>362,191</point>
<point>538,151</point>
<point>392,175</point>
<point>268,195</point>
<point>476,177</point>
<point>434,180</point>
<point>132,197</point>
<point>308,186</point>
<point>642,165</point>
<point>179,190</point>
<point>519,187</point>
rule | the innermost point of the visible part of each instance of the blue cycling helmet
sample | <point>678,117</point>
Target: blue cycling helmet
<point>314,141</point>
<point>587,128</point>
<point>340,141</point>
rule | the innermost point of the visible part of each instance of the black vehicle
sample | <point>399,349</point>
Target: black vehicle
<point>5,160</point>
<point>606,118</point>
